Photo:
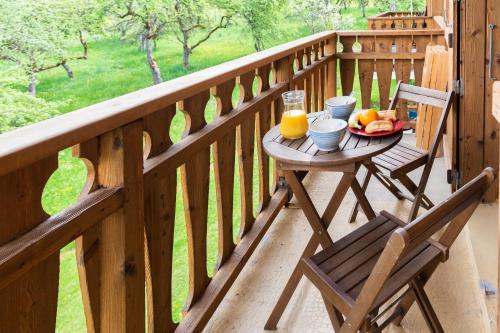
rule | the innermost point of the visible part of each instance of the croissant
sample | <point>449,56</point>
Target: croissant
<point>379,126</point>
<point>388,114</point>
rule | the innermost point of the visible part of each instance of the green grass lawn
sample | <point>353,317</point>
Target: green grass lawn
<point>113,69</point>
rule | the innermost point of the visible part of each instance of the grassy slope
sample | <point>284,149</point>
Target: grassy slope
<point>115,68</point>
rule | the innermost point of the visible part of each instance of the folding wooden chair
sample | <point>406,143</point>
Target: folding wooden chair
<point>404,158</point>
<point>373,264</point>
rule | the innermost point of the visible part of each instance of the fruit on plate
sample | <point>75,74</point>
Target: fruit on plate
<point>388,114</point>
<point>354,120</point>
<point>368,116</point>
<point>379,126</point>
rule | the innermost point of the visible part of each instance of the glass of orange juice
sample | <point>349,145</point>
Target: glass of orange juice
<point>294,123</point>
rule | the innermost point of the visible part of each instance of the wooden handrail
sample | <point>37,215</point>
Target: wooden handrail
<point>23,146</point>
<point>392,32</point>
<point>131,191</point>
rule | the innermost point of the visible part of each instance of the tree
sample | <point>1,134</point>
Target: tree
<point>322,15</point>
<point>148,20</point>
<point>199,17</point>
<point>401,5</point>
<point>363,4</point>
<point>19,108</point>
<point>38,35</point>
<point>261,17</point>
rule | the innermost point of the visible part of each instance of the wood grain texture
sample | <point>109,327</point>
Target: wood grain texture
<point>28,304</point>
<point>331,71</point>
<point>308,83</point>
<point>366,69</point>
<point>159,221</point>
<point>195,183</point>
<point>245,139</point>
<point>224,155</point>
<point>347,67</point>
<point>420,43</point>
<point>471,131</point>
<point>384,70</point>
<point>403,71</point>
<point>263,125</point>
<point>491,127</point>
<point>88,250</point>
<point>122,234</point>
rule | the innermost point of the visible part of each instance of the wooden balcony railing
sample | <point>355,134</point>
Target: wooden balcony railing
<point>401,21</point>
<point>123,223</point>
<point>395,54</point>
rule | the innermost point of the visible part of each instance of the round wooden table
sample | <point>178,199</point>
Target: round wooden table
<point>293,157</point>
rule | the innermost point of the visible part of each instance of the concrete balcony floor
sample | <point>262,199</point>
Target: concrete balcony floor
<point>453,290</point>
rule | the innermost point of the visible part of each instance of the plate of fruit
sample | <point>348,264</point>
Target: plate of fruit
<point>372,123</point>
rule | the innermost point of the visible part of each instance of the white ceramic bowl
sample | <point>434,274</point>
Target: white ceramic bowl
<point>341,107</point>
<point>327,133</point>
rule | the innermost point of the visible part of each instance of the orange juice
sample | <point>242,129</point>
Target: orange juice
<point>294,124</point>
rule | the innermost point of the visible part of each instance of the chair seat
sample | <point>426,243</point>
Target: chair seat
<point>346,265</point>
<point>402,158</point>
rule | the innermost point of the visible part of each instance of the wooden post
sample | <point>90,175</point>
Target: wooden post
<point>496,115</point>
<point>122,233</point>
<point>245,138</point>
<point>224,152</point>
<point>471,113</point>
<point>28,304</point>
<point>159,220</point>
<point>195,183</point>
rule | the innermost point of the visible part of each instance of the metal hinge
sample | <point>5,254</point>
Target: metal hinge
<point>458,87</point>
<point>450,40</point>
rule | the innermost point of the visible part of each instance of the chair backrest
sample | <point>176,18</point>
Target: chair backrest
<point>434,98</point>
<point>453,212</point>
<point>431,97</point>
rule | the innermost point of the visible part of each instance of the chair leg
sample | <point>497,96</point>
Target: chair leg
<point>413,189</point>
<point>387,183</point>
<point>426,308</point>
<point>415,207</point>
<point>335,315</point>
<point>355,209</point>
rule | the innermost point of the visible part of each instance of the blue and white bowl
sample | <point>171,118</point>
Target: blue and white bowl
<point>327,133</point>
<point>341,107</point>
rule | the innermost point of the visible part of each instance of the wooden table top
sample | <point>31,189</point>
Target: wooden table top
<point>302,154</point>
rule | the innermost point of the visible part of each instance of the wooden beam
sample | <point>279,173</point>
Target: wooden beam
<point>491,127</point>
<point>471,115</point>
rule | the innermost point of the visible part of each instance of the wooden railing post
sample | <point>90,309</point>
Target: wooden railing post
<point>366,67</point>
<point>30,303</point>
<point>224,153</point>
<point>88,250</point>
<point>195,175</point>
<point>245,138</point>
<point>263,124</point>
<point>284,72</point>
<point>122,233</point>
<point>347,66</point>
<point>331,70</point>
<point>159,220</point>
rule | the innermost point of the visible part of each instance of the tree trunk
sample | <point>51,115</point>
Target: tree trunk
<point>155,70</point>
<point>186,50</point>
<point>363,8</point>
<point>32,84</point>
<point>68,70</point>
<point>392,6</point>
